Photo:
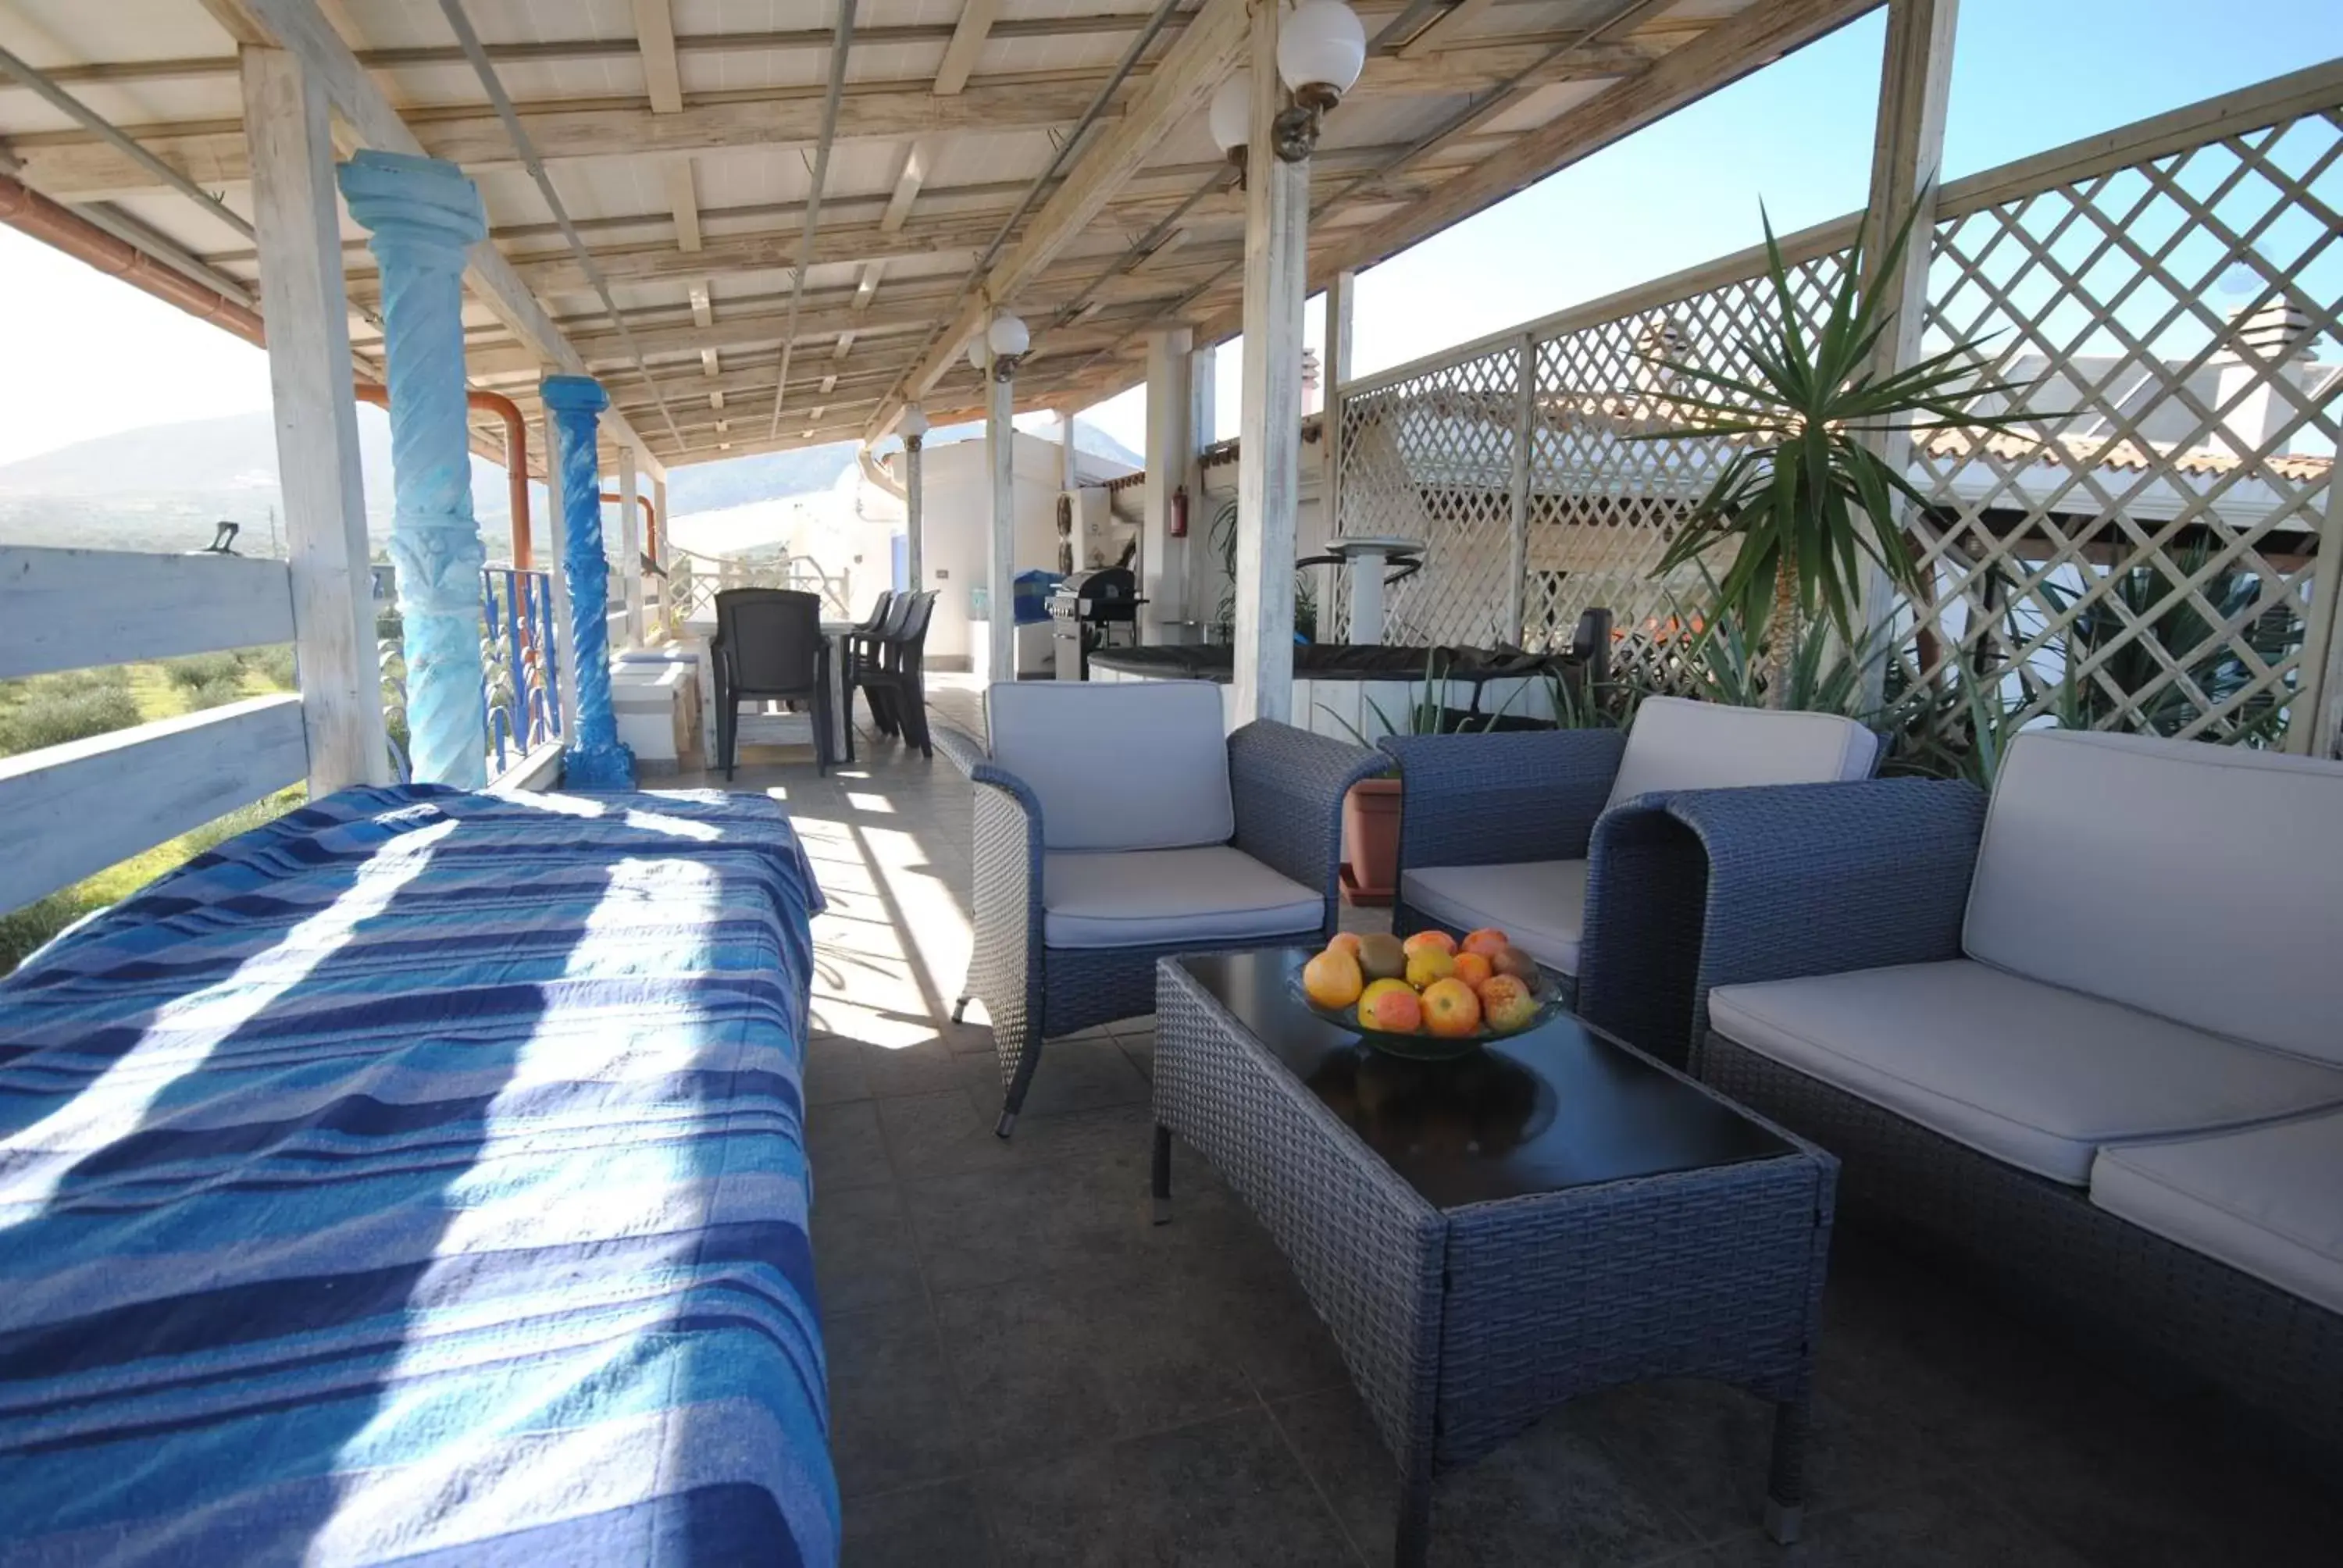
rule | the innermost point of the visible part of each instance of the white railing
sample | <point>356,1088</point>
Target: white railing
<point>2141,558</point>
<point>694,580</point>
<point>78,808</point>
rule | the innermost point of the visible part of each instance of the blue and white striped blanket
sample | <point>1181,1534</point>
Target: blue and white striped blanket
<point>420,1178</point>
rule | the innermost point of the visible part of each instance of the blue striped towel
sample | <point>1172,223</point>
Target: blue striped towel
<point>421,1178</point>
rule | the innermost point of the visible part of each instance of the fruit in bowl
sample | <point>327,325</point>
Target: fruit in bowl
<point>1429,985</point>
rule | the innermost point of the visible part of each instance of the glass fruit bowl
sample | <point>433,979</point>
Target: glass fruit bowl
<point>1423,1045</point>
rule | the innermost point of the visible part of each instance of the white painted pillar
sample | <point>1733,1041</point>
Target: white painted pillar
<point>1001,525</point>
<point>1907,150</point>
<point>1269,471</point>
<point>630,546</point>
<point>1066,479</point>
<point>915,555</point>
<point>1204,422</point>
<point>1170,445</point>
<point>1342,292</point>
<point>301,295</point>
<point>662,552</point>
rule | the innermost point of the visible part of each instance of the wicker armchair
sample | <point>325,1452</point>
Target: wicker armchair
<point>1495,829</point>
<point>2105,1071</point>
<point>1138,857</point>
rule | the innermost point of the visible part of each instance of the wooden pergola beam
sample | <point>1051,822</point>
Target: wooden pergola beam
<point>298,27</point>
<point>655,32</point>
<point>75,166</point>
<point>967,43</point>
<point>1207,51</point>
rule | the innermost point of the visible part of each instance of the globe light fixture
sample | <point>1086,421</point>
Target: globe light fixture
<point>1231,117</point>
<point>912,427</point>
<point>979,354</point>
<point>1008,339</point>
<point>1320,49</point>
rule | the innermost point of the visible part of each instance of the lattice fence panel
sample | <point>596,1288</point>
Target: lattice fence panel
<point>2143,560</point>
<point>1431,458</point>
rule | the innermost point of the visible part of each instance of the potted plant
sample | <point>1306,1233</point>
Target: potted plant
<point>1802,493</point>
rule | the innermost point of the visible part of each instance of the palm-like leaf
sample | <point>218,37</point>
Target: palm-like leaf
<point>1805,497</point>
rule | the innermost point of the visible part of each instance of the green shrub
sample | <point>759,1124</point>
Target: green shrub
<point>52,717</point>
<point>203,670</point>
<point>23,931</point>
<point>273,665</point>
<point>217,693</point>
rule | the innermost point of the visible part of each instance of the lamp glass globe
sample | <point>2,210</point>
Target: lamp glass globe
<point>1323,43</point>
<point>914,422</point>
<point>979,354</point>
<point>1231,113</point>
<point>1007,335</point>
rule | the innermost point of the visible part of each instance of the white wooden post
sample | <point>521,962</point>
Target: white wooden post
<point>1001,525</point>
<point>1204,424</point>
<point>915,555</point>
<point>1907,149</point>
<point>663,618</point>
<point>300,245</point>
<point>1342,294</point>
<point>630,545</point>
<point>1169,447</point>
<point>1269,465</point>
<point>1517,521</point>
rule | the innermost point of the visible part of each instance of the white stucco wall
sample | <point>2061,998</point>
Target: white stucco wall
<point>957,498</point>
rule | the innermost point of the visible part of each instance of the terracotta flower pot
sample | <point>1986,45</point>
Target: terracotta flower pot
<point>1370,841</point>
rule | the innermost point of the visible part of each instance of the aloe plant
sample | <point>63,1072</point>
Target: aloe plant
<point>1802,494</point>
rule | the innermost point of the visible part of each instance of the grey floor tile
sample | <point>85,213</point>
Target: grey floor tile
<point>1945,1524</point>
<point>1078,1074</point>
<point>919,1527</point>
<point>834,1071</point>
<point>862,1251</point>
<point>1226,1492</point>
<point>943,1135</point>
<point>1553,1496</point>
<point>893,1420</point>
<point>844,1147</point>
<point>1036,1218</point>
<point>923,1068</point>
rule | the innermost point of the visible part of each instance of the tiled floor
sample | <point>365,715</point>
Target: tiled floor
<point>1024,1371</point>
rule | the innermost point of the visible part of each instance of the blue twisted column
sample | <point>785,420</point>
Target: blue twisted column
<point>421,216</point>
<point>596,760</point>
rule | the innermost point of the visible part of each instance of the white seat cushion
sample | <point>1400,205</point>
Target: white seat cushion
<point>2032,1074</point>
<point>1144,898</point>
<point>2202,883</point>
<point>1541,904</point>
<point>2264,1200</point>
<point>1119,765</point>
<point>1676,743</point>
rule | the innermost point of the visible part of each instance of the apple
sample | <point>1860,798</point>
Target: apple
<point>1450,1007</point>
<point>1488,941</point>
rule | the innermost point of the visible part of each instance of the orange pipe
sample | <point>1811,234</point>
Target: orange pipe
<point>650,521</point>
<point>28,210</point>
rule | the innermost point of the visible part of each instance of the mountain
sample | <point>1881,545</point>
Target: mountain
<point>163,486</point>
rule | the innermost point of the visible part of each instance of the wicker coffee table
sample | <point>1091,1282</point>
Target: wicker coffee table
<point>1490,1237</point>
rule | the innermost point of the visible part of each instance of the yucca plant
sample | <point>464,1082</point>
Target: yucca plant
<point>1802,494</point>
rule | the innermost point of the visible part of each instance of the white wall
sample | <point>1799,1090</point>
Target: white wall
<point>956,496</point>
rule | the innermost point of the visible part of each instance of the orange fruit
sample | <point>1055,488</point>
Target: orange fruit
<point>1390,1005</point>
<point>1332,978</point>
<point>1488,941</point>
<point>1344,941</point>
<point>1450,1007</point>
<point>1473,967</point>
<point>1422,940</point>
<point>1428,964</point>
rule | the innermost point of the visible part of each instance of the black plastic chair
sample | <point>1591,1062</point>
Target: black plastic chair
<point>865,654</point>
<point>894,681</point>
<point>768,646</point>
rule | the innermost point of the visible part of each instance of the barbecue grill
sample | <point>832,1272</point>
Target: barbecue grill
<point>1083,607</point>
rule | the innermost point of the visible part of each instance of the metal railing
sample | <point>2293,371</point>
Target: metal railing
<point>2143,557</point>
<point>520,679</point>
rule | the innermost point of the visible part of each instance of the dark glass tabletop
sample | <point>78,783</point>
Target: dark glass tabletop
<point>1558,1105</point>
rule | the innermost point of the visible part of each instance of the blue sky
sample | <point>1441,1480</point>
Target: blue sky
<point>2027,76</point>
<point>92,354</point>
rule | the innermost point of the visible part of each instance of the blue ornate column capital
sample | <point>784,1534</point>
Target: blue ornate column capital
<point>421,216</point>
<point>595,758</point>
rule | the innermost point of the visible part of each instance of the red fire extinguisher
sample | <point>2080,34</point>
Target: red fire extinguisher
<point>1180,513</point>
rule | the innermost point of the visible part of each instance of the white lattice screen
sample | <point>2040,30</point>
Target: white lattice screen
<point>2142,559</point>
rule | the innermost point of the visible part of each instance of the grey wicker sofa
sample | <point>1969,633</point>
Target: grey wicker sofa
<point>1116,825</point>
<point>1494,828</point>
<point>2088,1037</point>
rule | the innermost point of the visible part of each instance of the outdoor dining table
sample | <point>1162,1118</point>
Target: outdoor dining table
<point>761,728</point>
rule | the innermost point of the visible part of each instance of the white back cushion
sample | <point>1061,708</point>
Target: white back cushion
<point>1118,765</point>
<point>2198,881</point>
<point>1676,743</point>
